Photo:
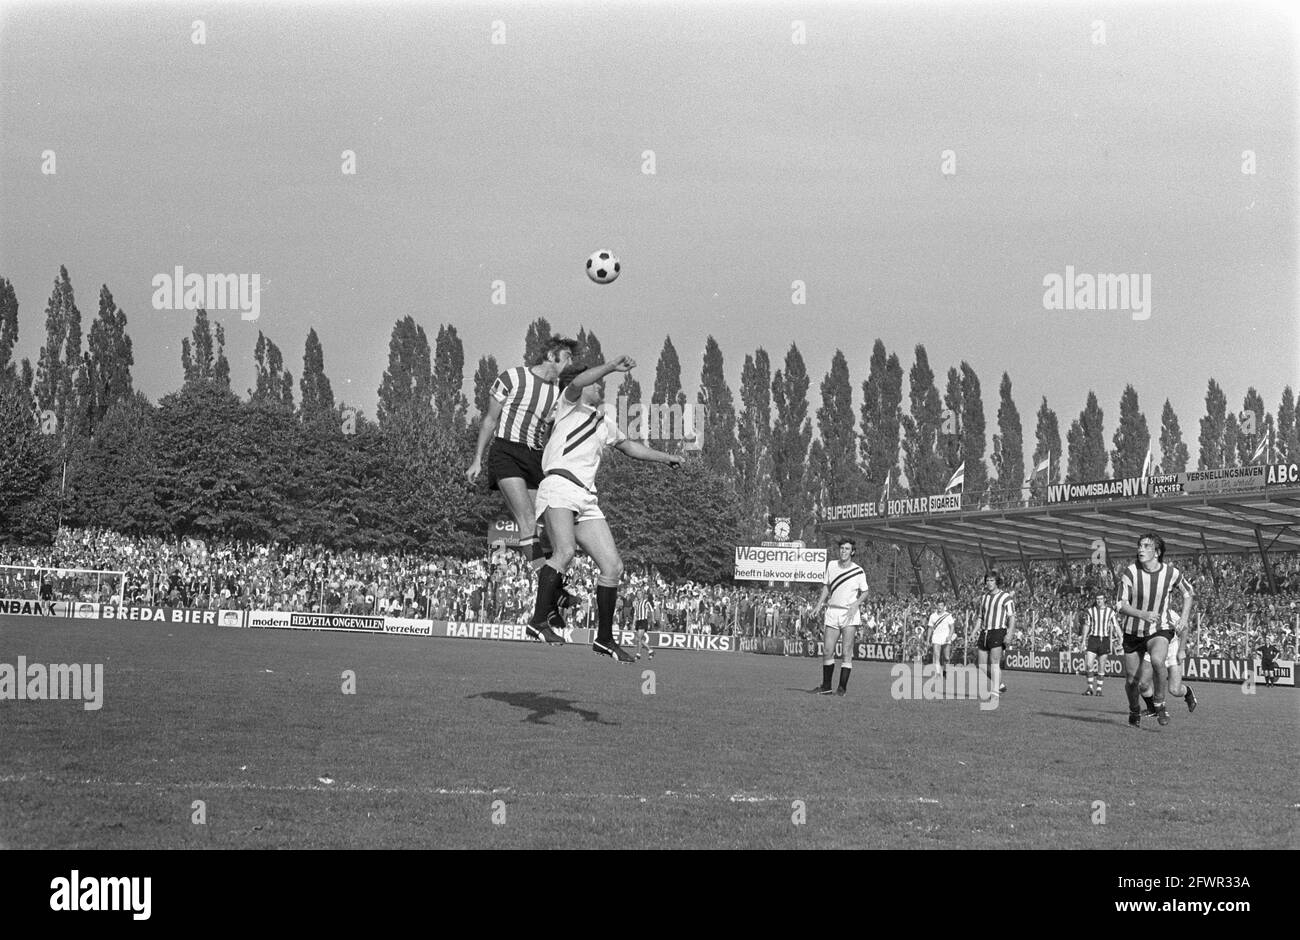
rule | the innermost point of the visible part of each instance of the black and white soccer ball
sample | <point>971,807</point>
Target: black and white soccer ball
<point>603,267</point>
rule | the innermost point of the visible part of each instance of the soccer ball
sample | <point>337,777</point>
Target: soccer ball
<point>602,267</point>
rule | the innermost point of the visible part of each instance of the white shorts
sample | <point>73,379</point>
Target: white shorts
<point>942,636</point>
<point>559,493</point>
<point>838,617</point>
<point>1171,658</point>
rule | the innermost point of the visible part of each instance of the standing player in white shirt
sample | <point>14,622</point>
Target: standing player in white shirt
<point>844,588</point>
<point>567,498</point>
<point>940,632</point>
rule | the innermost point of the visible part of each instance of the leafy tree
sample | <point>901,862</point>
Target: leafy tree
<point>407,385</point>
<point>754,439</point>
<point>1047,437</point>
<point>112,480</point>
<point>1286,444</point>
<point>449,402</point>
<point>315,391</point>
<point>1092,457</point>
<point>1253,404</point>
<point>882,396</point>
<point>952,442</point>
<point>791,436</point>
<point>109,360</point>
<point>1132,437</point>
<point>1173,452</point>
<point>274,385</point>
<point>655,515</point>
<point>1213,428</point>
<point>28,483</point>
<point>1009,444</point>
<point>538,335</point>
<point>589,352</point>
<point>926,469</point>
<point>484,376</point>
<point>8,328</point>
<point>835,461</point>
<point>973,440</point>
<point>60,357</point>
<point>719,424</point>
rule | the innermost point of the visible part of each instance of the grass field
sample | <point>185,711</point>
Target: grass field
<point>252,721</point>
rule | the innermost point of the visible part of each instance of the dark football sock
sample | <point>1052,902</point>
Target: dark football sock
<point>548,583</point>
<point>606,599</point>
<point>1151,702</point>
<point>828,670</point>
<point>845,669</point>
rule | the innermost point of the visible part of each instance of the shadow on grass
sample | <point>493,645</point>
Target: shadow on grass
<point>542,705</point>
<point>1091,719</point>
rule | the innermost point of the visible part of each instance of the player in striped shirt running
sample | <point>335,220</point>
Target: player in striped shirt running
<point>517,424</point>
<point>996,617</point>
<point>1100,630</point>
<point>1144,595</point>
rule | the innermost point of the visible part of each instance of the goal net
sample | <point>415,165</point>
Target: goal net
<point>26,583</point>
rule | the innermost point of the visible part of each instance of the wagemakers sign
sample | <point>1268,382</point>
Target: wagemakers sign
<point>755,563</point>
<point>700,642</point>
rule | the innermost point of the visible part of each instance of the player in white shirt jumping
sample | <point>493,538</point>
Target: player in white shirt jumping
<point>843,590</point>
<point>567,498</point>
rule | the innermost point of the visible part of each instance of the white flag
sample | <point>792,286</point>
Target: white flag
<point>1146,464</point>
<point>1262,448</point>
<point>958,479</point>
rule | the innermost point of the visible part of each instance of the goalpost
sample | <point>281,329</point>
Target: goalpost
<point>25,582</point>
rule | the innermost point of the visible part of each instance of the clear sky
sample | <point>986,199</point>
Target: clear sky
<point>775,161</point>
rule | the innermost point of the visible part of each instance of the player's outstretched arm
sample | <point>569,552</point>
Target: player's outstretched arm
<point>596,373</point>
<point>640,451</point>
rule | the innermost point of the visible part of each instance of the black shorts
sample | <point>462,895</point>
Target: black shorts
<point>507,459</point>
<point>643,624</point>
<point>1138,644</point>
<point>1099,645</point>
<point>991,638</point>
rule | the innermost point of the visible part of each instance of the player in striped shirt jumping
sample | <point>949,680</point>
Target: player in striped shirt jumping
<point>567,497</point>
<point>1100,630</point>
<point>516,425</point>
<point>1145,591</point>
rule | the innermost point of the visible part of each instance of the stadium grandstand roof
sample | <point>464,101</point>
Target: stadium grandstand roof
<point>1261,520</point>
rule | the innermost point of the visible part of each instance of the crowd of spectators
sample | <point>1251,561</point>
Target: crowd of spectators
<point>1233,605</point>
